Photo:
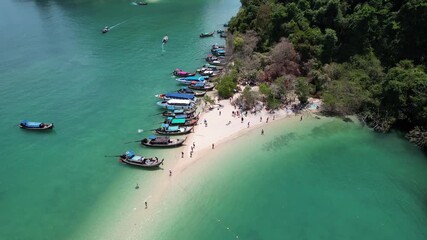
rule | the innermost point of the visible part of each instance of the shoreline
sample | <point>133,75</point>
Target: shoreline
<point>217,132</point>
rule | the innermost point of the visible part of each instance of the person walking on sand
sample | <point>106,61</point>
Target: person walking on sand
<point>301,118</point>
<point>267,120</point>
<point>194,144</point>
<point>191,154</point>
<point>146,205</point>
<point>260,119</point>
<point>248,124</point>
<point>170,172</point>
<point>182,154</point>
<point>220,113</point>
<point>213,146</point>
<point>242,120</point>
<point>262,131</point>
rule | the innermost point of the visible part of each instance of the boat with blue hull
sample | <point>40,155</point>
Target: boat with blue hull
<point>173,104</point>
<point>171,113</point>
<point>24,124</point>
<point>176,95</point>
<point>192,79</point>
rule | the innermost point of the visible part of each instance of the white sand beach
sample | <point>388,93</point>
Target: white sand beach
<point>221,128</point>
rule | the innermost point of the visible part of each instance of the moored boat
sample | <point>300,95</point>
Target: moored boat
<point>162,141</point>
<point>218,52</point>
<point>172,113</point>
<point>131,158</point>
<point>208,34</point>
<point>190,91</point>
<point>174,121</point>
<point>24,124</point>
<point>176,104</point>
<point>180,73</point>
<point>201,86</point>
<point>173,130</point>
<point>176,95</point>
<point>191,79</point>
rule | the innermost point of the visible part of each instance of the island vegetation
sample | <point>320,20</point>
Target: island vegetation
<point>366,58</point>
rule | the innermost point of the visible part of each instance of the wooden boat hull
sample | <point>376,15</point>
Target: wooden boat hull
<point>46,127</point>
<point>162,132</point>
<point>172,114</point>
<point>174,143</point>
<point>205,88</point>
<point>143,164</point>
<point>188,123</point>
<point>203,35</point>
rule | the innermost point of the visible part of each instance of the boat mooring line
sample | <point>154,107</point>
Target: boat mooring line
<point>209,215</point>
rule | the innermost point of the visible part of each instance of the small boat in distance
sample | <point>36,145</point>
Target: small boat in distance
<point>165,129</point>
<point>105,29</point>
<point>162,141</point>
<point>35,125</point>
<point>131,158</point>
<point>180,73</point>
<point>209,34</point>
<point>142,3</point>
<point>165,39</point>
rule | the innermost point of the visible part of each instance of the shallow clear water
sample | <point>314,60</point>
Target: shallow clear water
<point>316,179</point>
<point>98,90</point>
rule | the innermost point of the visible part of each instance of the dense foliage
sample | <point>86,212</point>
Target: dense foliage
<point>362,57</point>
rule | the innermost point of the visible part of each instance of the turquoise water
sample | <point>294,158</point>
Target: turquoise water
<point>98,90</point>
<point>316,179</point>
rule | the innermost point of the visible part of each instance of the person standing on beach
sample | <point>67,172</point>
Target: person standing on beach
<point>146,205</point>
<point>262,131</point>
<point>191,154</point>
<point>242,120</point>
<point>182,154</point>
<point>194,144</point>
<point>248,124</point>
<point>220,113</point>
<point>301,118</point>
<point>267,120</point>
<point>213,146</point>
<point>260,119</point>
<point>170,172</point>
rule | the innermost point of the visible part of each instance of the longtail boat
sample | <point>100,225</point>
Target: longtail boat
<point>201,86</point>
<point>209,34</point>
<point>173,130</point>
<point>180,73</point>
<point>162,141</point>
<point>172,113</point>
<point>131,158</point>
<point>35,125</point>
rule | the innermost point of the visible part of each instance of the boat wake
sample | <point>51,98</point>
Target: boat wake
<point>118,24</point>
<point>140,130</point>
